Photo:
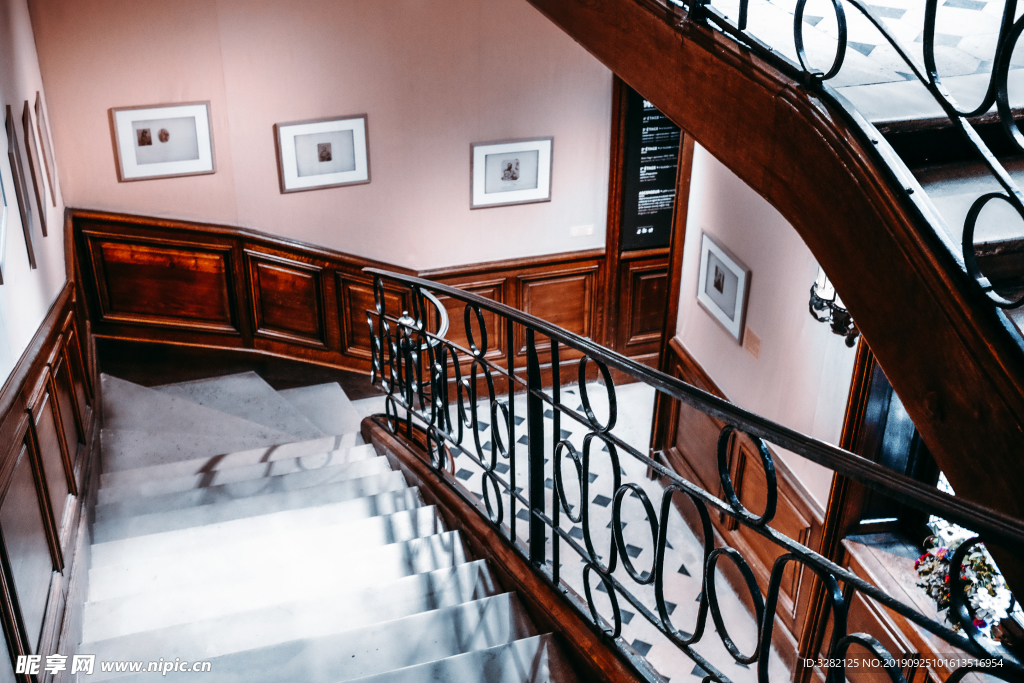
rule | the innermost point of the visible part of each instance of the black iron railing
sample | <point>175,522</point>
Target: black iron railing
<point>428,392</point>
<point>996,95</point>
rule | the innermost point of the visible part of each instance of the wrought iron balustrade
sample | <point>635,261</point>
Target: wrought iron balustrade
<point>429,393</point>
<point>963,119</point>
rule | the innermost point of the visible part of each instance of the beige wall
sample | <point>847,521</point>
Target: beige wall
<point>432,77</point>
<point>802,376</point>
<point>26,294</point>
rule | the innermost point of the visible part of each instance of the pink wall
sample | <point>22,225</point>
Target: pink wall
<point>26,294</point>
<point>432,77</point>
<point>802,376</point>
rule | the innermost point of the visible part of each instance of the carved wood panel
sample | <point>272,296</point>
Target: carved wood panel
<point>163,282</point>
<point>492,289</point>
<point>643,294</point>
<point>53,458</point>
<point>355,298</point>
<point>566,298</point>
<point>288,299</point>
<point>25,535</point>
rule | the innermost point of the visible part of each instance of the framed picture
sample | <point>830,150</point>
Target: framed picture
<point>319,153</point>
<point>510,172</point>
<point>162,141</point>
<point>47,145</point>
<point>20,188</point>
<point>35,165</point>
<point>3,229</point>
<point>723,286</point>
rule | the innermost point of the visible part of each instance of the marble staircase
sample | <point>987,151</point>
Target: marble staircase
<point>254,530</point>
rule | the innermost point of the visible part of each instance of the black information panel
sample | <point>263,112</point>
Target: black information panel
<point>649,188</point>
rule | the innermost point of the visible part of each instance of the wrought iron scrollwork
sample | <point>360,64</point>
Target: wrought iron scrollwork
<point>429,391</point>
<point>996,92</point>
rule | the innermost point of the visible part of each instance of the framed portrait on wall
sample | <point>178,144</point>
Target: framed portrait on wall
<point>321,153</point>
<point>35,165</point>
<point>723,286</point>
<point>44,140</point>
<point>510,172</point>
<point>162,141</point>
<point>14,155</point>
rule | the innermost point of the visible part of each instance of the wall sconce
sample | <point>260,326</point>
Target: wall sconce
<point>827,307</point>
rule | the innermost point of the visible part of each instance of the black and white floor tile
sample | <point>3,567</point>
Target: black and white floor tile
<point>684,552</point>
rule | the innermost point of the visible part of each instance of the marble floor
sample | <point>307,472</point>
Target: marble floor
<point>635,403</point>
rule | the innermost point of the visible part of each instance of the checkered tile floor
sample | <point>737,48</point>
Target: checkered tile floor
<point>684,552</point>
<point>965,39</point>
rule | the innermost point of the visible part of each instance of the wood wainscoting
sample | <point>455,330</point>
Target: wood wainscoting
<point>49,447</point>
<point>687,440</point>
<point>175,282</point>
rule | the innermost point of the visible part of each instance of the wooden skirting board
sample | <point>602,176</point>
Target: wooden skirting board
<point>49,450</point>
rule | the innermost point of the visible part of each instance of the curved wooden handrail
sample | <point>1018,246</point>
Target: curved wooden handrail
<point>956,361</point>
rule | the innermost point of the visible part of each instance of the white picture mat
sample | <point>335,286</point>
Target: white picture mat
<point>289,161</point>
<point>709,252</point>
<point>126,141</point>
<point>480,197</point>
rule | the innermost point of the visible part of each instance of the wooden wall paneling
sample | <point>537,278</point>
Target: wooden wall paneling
<point>288,299</point>
<point>613,232</point>
<point>25,535</point>
<point>662,431</point>
<point>52,460</point>
<point>643,296</point>
<point>355,298</point>
<point>493,289</point>
<point>563,297</point>
<point>76,366</point>
<point>162,282</point>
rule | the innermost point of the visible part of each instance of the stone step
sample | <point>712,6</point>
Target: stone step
<point>375,649</point>
<point>227,460</point>
<point>326,406</point>
<point>247,396</point>
<point>241,489</point>
<point>257,587</point>
<point>128,449</point>
<point>529,660</point>
<point>158,486</point>
<point>174,543</point>
<point>126,527</point>
<point>131,406</point>
<point>280,623</point>
<point>221,561</point>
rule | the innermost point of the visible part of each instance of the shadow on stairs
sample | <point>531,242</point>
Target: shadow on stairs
<point>251,531</point>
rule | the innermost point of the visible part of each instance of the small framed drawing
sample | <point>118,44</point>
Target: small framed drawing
<point>35,165</point>
<point>20,187</point>
<point>320,153</point>
<point>510,172</point>
<point>44,140</point>
<point>723,286</point>
<point>162,141</point>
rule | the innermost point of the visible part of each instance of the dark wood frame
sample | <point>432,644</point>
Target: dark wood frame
<point>20,188</point>
<point>35,164</point>
<point>620,267</point>
<point>113,111</point>
<point>34,389</point>
<point>280,152</point>
<point>44,139</point>
<point>472,171</point>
